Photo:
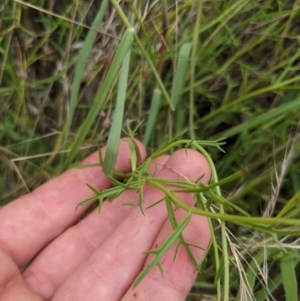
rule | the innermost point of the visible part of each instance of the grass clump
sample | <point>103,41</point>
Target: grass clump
<point>208,69</point>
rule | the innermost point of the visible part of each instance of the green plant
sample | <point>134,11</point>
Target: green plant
<point>208,69</point>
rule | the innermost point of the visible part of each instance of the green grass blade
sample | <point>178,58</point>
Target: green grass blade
<point>263,294</point>
<point>279,112</point>
<point>152,118</point>
<point>146,55</point>
<point>289,280</point>
<point>121,52</point>
<point>250,95</point>
<point>289,205</point>
<point>116,128</point>
<point>80,66</point>
<point>193,70</point>
<point>181,70</point>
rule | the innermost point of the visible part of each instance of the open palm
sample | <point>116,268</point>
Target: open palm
<point>99,256</point>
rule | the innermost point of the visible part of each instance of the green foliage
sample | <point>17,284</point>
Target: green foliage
<point>158,253</point>
<point>189,74</point>
<point>289,280</point>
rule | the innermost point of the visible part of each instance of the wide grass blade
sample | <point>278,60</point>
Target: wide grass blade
<point>181,70</point>
<point>80,67</point>
<point>121,52</point>
<point>289,280</point>
<point>116,127</point>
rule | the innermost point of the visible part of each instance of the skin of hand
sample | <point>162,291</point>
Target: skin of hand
<point>99,256</point>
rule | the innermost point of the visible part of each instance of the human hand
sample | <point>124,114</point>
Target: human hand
<point>99,257</point>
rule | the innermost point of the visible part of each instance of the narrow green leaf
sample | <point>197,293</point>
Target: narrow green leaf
<point>289,205</point>
<point>161,251</point>
<point>87,165</point>
<point>253,95</point>
<point>145,53</point>
<point>155,203</point>
<point>92,188</point>
<point>279,112</point>
<point>141,198</point>
<point>273,284</point>
<point>152,117</point>
<point>289,279</point>
<point>181,71</point>
<point>116,128</point>
<point>134,154</point>
<point>88,200</point>
<point>80,67</point>
<point>111,75</point>
<point>181,240</point>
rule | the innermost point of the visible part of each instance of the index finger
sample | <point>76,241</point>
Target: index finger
<point>32,221</point>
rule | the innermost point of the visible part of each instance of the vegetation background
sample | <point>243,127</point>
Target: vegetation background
<point>214,69</point>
